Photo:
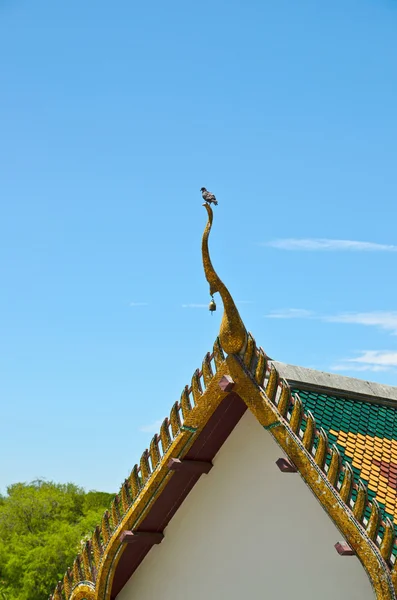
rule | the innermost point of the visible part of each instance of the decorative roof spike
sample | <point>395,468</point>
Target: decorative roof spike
<point>197,390</point>
<point>77,570</point>
<point>207,369</point>
<point>296,415</point>
<point>115,512</point>
<point>165,436</point>
<point>373,521</point>
<point>219,357</point>
<point>232,334</point>
<point>97,546</point>
<point>135,482</point>
<point>86,555</point>
<point>272,385</point>
<point>185,402</point>
<point>124,498</point>
<point>361,501</point>
<point>175,419</point>
<point>347,484</point>
<point>285,397</point>
<point>145,466</point>
<point>249,351</point>
<point>388,539</point>
<point>58,592</point>
<point>155,455</point>
<point>334,466</point>
<point>261,367</point>
<point>322,447</point>
<point>105,527</point>
<point>68,582</point>
<point>394,575</point>
<point>310,431</point>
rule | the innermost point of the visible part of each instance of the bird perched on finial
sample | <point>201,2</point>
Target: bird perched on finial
<point>208,196</point>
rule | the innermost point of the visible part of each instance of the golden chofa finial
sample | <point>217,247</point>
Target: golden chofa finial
<point>232,335</point>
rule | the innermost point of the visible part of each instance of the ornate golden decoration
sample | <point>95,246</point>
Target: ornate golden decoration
<point>93,570</point>
<point>83,591</point>
<point>232,334</point>
<point>272,403</point>
<point>270,400</point>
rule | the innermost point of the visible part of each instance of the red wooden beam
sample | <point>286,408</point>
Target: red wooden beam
<point>166,504</point>
<point>148,538</point>
<point>344,549</point>
<point>285,465</point>
<point>190,466</point>
<point>226,383</point>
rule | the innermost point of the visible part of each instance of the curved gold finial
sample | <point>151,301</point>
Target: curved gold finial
<point>232,335</point>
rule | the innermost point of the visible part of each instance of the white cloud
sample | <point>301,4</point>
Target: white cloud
<point>384,358</point>
<point>369,360</point>
<point>194,305</point>
<point>290,313</point>
<point>138,304</point>
<point>384,319</point>
<point>321,244</point>
<point>152,428</point>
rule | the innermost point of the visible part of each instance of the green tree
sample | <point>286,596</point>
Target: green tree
<point>41,525</point>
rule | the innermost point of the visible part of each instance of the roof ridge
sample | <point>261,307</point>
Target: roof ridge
<point>232,340</point>
<point>336,384</point>
<point>325,462</point>
<point>269,397</point>
<point>314,443</point>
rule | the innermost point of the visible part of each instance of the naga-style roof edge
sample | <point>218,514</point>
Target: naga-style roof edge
<point>329,478</point>
<point>257,382</point>
<point>245,378</point>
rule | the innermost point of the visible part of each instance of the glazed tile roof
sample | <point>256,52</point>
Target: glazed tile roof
<point>333,430</point>
<point>307,423</point>
<point>366,436</point>
<point>360,418</point>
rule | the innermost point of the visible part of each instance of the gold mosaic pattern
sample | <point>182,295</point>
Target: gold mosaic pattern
<point>258,384</point>
<point>332,481</point>
<point>91,575</point>
<point>232,334</point>
<point>84,592</point>
<point>270,400</point>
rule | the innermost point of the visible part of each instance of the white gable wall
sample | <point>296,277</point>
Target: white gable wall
<point>249,532</point>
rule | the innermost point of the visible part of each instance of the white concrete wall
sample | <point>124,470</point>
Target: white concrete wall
<point>249,532</point>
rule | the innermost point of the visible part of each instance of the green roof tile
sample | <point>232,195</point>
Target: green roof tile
<point>374,423</point>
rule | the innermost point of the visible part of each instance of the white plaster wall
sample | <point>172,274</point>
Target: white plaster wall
<point>248,532</point>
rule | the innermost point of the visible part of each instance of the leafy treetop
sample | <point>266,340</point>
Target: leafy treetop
<point>41,526</point>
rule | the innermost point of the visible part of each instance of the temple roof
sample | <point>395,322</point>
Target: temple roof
<point>360,418</point>
<point>308,379</point>
<point>339,433</point>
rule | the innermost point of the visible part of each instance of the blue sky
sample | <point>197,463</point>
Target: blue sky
<point>112,117</point>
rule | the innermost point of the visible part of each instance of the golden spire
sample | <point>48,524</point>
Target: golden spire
<point>232,335</point>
